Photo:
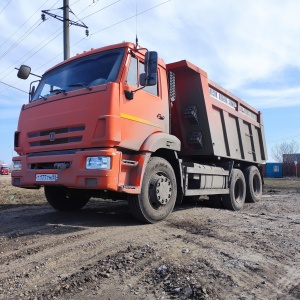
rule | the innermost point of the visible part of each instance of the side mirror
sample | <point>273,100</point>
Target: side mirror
<point>150,76</point>
<point>24,72</point>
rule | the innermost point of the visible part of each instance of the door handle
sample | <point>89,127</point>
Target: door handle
<point>159,116</point>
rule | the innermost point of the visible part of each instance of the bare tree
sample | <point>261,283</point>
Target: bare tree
<point>279,150</point>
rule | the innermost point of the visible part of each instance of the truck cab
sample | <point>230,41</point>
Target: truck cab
<point>92,122</point>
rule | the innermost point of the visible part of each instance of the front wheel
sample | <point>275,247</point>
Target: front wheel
<point>237,191</point>
<point>158,194</point>
<point>63,199</point>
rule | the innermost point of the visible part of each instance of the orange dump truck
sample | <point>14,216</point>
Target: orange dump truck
<point>118,122</point>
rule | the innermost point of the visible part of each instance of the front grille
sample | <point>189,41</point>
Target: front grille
<point>56,131</point>
<point>56,136</point>
<point>52,153</point>
<point>56,141</point>
<point>50,166</point>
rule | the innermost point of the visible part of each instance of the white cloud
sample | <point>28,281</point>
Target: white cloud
<point>238,43</point>
<point>242,41</point>
<point>266,98</point>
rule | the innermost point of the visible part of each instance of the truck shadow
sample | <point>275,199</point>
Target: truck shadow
<point>194,202</point>
<point>42,219</point>
<point>25,220</point>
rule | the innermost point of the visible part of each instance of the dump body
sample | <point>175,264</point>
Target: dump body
<point>212,123</point>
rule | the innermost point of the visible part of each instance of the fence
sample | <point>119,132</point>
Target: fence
<point>291,170</point>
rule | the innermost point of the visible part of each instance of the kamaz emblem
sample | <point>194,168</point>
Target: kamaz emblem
<point>51,136</point>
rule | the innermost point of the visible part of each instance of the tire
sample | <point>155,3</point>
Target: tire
<point>237,191</point>
<point>63,200</point>
<point>158,193</point>
<point>253,184</point>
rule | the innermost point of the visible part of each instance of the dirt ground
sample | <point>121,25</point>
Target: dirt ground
<point>101,252</point>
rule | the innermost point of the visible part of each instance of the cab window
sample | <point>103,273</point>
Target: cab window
<point>132,76</point>
<point>135,69</point>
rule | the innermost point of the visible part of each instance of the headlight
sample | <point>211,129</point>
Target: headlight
<point>17,166</point>
<point>98,162</point>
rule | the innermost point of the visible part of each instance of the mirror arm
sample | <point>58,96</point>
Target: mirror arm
<point>31,73</point>
<point>129,94</point>
<point>139,89</point>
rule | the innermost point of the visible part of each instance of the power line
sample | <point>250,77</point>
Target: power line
<point>75,2</point>
<point>101,9</point>
<point>90,5</point>
<point>44,64</point>
<point>39,49</point>
<point>26,34</point>
<point>45,45</point>
<point>13,87</point>
<point>124,20</point>
<point>5,7</point>
<point>22,24</point>
<point>59,34</point>
<point>22,38</point>
<point>105,29</point>
<point>117,23</point>
<point>38,45</point>
<point>26,60</point>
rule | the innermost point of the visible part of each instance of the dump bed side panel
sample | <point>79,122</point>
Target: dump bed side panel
<point>211,121</point>
<point>188,114</point>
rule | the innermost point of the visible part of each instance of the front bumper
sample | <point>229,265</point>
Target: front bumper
<point>75,176</point>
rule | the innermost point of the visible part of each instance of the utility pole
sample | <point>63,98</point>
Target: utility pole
<point>66,25</point>
<point>66,22</point>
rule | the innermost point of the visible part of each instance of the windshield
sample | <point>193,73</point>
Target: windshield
<point>86,72</point>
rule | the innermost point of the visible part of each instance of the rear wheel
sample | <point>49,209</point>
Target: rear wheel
<point>63,199</point>
<point>158,194</point>
<point>253,184</point>
<point>237,191</point>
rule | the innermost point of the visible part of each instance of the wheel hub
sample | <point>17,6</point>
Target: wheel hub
<point>162,189</point>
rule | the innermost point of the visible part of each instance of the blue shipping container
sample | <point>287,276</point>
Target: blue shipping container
<point>274,170</point>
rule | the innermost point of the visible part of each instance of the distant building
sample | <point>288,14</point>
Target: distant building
<point>291,158</point>
<point>289,168</point>
<point>272,170</point>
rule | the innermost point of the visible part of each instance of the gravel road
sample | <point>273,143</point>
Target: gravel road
<point>101,252</point>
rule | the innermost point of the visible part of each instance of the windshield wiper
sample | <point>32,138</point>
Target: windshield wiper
<point>58,91</point>
<point>80,84</point>
<point>42,97</point>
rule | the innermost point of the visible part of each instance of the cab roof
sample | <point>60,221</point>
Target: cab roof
<point>128,45</point>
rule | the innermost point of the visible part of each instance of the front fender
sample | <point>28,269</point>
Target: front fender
<point>160,140</point>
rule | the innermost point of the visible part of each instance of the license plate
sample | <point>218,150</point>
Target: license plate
<point>46,177</point>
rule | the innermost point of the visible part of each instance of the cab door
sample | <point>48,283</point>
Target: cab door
<point>144,114</point>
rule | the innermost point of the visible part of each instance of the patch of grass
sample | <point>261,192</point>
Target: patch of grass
<point>12,195</point>
<point>282,183</point>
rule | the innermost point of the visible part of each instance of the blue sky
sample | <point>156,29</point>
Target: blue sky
<point>250,48</point>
